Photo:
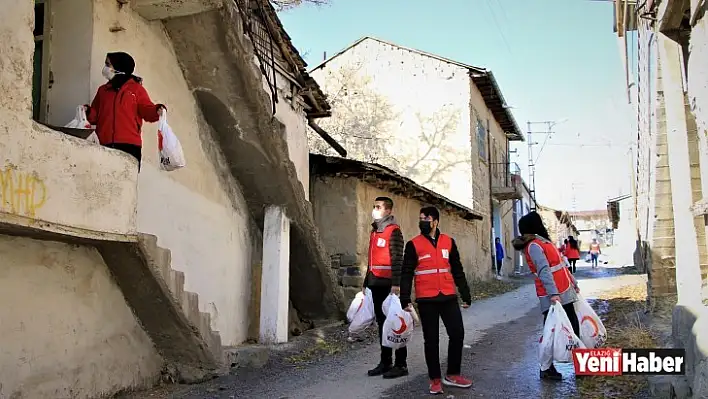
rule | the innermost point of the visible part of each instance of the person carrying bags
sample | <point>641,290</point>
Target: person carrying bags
<point>382,278</point>
<point>432,261</point>
<point>121,105</point>
<point>554,282</point>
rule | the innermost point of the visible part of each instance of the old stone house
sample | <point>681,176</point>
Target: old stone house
<point>442,123</point>
<point>670,97</point>
<point>592,224</point>
<point>522,206</point>
<point>342,192</point>
<point>558,223</point>
<point>117,277</point>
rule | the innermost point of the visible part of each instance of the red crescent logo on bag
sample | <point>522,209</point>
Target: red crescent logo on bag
<point>359,307</point>
<point>593,323</point>
<point>403,327</point>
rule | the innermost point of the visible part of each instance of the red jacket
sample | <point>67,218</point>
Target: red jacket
<point>119,115</point>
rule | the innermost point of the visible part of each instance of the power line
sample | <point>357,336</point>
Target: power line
<point>501,32</point>
<point>588,145</point>
<point>506,18</point>
<point>545,141</point>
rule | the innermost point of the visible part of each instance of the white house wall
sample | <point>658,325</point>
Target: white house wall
<point>291,113</point>
<point>413,84</point>
<point>197,212</point>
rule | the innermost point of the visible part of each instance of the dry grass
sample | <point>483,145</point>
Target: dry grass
<point>490,288</point>
<point>625,329</point>
<point>322,347</point>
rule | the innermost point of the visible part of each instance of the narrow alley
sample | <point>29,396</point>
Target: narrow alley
<point>324,157</point>
<point>501,356</point>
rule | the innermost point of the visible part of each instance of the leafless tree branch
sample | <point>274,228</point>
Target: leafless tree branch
<point>365,123</point>
<point>281,5</point>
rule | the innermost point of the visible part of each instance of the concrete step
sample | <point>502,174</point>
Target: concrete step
<point>169,314</point>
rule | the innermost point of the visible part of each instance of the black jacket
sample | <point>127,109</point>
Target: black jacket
<point>395,246</point>
<point>410,262</point>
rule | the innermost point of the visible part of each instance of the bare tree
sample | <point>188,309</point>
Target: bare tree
<point>281,5</point>
<point>367,125</point>
<point>361,118</point>
<point>438,155</point>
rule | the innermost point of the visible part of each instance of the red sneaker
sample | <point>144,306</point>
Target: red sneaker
<point>436,387</point>
<point>457,381</point>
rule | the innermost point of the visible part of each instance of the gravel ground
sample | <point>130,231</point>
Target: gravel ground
<point>501,336</point>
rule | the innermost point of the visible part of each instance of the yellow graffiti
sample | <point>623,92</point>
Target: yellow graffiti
<point>21,193</point>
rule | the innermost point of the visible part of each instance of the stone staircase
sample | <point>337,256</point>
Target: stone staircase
<point>160,259</point>
<point>170,315</point>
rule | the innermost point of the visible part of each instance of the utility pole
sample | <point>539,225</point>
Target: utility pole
<point>532,161</point>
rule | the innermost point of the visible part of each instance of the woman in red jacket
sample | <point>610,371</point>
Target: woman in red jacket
<point>572,252</point>
<point>121,105</point>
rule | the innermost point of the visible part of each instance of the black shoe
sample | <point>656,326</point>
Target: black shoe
<point>551,374</point>
<point>395,372</point>
<point>379,370</point>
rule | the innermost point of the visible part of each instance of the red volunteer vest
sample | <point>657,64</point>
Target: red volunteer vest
<point>572,253</point>
<point>433,275</point>
<point>594,248</point>
<point>557,266</point>
<point>380,253</point>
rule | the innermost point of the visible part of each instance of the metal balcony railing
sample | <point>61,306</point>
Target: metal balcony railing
<point>505,174</point>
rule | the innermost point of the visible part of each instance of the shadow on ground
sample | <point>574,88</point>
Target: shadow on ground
<point>503,364</point>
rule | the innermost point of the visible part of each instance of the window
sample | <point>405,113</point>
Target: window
<point>40,66</point>
<point>482,139</point>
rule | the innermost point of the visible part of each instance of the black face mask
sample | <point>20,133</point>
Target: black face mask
<point>425,227</point>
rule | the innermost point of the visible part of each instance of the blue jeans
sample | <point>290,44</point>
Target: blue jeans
<point>593,259</point>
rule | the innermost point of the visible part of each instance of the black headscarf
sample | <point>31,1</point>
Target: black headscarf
<point>532,223</point>
<point>573,242</point>
<point>122,62</point>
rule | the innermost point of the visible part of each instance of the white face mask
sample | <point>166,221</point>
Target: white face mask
<point>109,73</point>
<point>376,214</point>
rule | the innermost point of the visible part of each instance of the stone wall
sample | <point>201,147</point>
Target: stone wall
<point>342,208</point>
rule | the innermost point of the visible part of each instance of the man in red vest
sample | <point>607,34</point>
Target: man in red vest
<point>432,260</point>
<point>383,278</point>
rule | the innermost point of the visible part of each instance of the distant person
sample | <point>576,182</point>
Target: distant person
<point>595,252</point>
<point>572,252</point>
<point>554,283</point>
<point>499,252</point>
<point>383,278</point>
<point>431,261</point>
<point>120,107</point>
<point>563,247</point>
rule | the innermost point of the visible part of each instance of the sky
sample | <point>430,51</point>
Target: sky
<point>554,60</point>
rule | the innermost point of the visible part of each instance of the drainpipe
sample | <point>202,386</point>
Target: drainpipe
<point>491,199</point>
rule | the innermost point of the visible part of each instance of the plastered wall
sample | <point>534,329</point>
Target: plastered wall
<point>197,212</point>
<point>66,329</point>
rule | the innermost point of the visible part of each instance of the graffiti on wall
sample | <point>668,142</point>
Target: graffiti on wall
<point>21,193</point>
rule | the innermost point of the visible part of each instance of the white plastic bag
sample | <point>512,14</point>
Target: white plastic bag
<point>171,155</point>
<point>545,344</point>
<point>592,331</point>
<point>564,339</point>
<point>399,324</point>
<point>361,312</point>
<point>387,303</point>
<point>80,121</point>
